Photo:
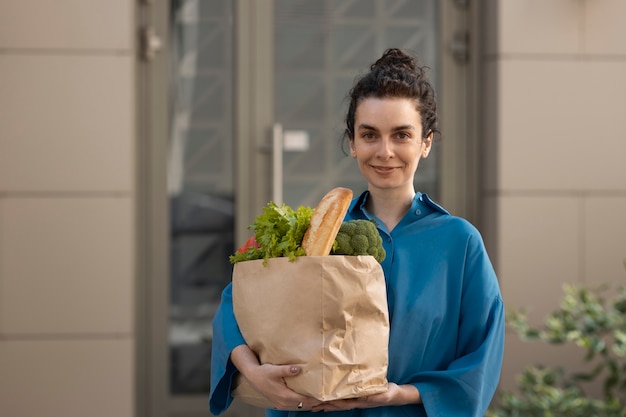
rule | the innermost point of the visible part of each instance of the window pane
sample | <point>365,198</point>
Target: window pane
<point>321,46</point>
<point>200,183</point>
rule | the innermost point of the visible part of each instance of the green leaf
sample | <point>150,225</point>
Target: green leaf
<point>593,319</point>
<point>279,231</point>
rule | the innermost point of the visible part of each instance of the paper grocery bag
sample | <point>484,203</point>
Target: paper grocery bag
<point>327,314</point>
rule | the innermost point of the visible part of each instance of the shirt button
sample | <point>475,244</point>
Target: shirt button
<point>418,212</point>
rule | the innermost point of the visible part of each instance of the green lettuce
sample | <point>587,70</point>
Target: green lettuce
<point>278,231</point>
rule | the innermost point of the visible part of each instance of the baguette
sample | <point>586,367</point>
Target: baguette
<point>325,222</point>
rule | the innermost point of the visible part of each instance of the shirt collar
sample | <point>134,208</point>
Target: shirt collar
<point>421,204</point>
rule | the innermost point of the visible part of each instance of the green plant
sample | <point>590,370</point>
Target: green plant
<point>595,321</point>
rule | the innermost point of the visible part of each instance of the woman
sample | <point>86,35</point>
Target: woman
<point>445,308</point>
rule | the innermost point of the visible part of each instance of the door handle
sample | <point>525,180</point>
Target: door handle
<point>277,163</point>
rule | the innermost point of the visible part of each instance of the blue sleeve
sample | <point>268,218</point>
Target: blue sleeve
<point>226,336</point>
<point>467,386</point>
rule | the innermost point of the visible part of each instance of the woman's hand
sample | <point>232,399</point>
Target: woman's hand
<point>269,380</point>
<point>395,395</point>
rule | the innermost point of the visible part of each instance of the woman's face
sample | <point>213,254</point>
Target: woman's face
<point>388,142</point>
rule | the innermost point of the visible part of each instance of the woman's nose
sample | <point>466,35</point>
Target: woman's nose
<point>385,150</point>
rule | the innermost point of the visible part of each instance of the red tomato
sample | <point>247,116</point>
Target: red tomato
<point>250,243</point>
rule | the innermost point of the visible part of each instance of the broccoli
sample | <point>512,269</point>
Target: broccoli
<point>359,237</point>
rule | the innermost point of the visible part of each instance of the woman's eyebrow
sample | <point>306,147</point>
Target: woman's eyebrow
<point>403,127</point>
<point>364,126</point>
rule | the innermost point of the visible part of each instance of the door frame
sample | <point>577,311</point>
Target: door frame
<point>254,111</point>
<point>151,214</point>
<point>459,97</point>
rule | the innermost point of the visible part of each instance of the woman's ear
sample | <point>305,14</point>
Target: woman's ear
<point>428,142</point>
<point>352,149</point>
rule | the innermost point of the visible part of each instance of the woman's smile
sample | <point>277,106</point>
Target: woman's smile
<point>383,170</point>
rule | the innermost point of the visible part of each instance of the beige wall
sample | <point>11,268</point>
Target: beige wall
<point>67,173</point>
<point>555,172</point>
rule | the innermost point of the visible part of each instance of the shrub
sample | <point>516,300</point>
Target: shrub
<point>593,320</point>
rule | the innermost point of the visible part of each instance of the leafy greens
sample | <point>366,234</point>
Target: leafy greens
<point>279,231</point>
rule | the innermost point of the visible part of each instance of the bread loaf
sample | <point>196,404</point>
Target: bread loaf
<point>325,222</point>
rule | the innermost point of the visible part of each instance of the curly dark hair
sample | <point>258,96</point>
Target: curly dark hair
<point>395,75</point>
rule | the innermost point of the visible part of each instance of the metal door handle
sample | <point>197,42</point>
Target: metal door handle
<point>277,163</point>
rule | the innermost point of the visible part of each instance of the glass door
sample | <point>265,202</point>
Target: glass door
<point>319,48</point>
<point>201,172</point>
<point>200,182</point>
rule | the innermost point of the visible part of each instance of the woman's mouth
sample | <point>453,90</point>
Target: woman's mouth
<point>383,169</point>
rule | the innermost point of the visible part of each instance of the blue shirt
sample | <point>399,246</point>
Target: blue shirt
<point>445,310</point>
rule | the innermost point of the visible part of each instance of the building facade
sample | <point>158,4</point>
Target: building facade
<point>534,157</point>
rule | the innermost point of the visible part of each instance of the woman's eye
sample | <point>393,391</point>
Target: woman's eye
<point>368,135</point>
<point>402,135</point>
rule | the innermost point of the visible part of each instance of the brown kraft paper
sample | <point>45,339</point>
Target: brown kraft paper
<point>327,314</point>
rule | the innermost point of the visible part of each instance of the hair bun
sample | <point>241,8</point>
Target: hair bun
<point>394,57</point>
